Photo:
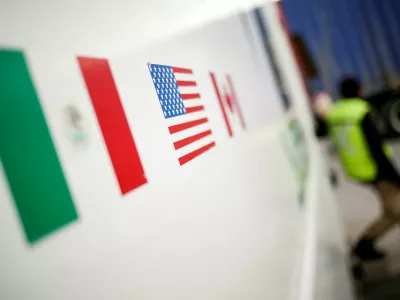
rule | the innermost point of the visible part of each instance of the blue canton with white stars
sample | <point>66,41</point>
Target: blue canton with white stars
<point>167,90</point>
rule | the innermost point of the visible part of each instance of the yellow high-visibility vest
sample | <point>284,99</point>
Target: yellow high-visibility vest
<point>344,127</point>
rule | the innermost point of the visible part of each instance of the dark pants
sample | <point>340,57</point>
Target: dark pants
<point>389,196</point>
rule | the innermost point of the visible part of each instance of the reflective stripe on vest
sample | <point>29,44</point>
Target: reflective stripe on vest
<point>344,123</point>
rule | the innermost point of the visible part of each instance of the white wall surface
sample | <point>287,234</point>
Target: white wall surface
<point>225,226</point>
<point>105,27</point>
<point>323,272</point>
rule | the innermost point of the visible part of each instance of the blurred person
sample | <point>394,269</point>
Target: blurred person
<point>365,157</point>
<point>321,104</point>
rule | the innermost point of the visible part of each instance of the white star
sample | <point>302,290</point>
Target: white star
<point>157,92</point>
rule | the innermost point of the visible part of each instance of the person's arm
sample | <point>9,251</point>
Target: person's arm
<point>375,142</point>
<point>321,130</point>
<point>373,137</point>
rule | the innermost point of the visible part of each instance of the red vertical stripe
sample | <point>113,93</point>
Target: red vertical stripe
<point>295,52</point>
<point>113,123</point>
<point>221,104</point>
<point>236,102</point>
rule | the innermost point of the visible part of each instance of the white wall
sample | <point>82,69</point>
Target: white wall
<point>104,27</point>
<point>225,226</point>
<point>323,270</point>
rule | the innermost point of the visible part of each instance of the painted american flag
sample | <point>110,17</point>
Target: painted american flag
<point>183,110</point>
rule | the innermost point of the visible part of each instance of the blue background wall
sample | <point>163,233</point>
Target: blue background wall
<point>358,37</point>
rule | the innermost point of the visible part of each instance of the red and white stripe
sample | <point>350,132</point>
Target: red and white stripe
<point>191,133</point>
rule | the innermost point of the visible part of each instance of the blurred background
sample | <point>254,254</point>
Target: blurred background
<point>360,38</point>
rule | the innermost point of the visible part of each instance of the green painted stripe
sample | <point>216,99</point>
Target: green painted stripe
<point>28,155</point>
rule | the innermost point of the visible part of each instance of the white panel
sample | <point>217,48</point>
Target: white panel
<point>215,228</point>
<point>323,239</point>
<point>224,226</point>
<point>104,27</point>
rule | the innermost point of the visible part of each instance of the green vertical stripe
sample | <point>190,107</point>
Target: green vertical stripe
<point>28,155</point>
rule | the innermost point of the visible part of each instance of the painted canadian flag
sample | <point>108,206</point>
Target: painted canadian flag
<point>228,101</point>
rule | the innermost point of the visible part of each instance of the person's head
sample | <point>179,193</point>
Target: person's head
<point>350,87</point>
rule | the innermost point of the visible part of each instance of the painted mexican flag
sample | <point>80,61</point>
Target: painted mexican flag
<point>28,155</point>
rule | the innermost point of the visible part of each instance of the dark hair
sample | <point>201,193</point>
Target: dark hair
<point>349,87</point>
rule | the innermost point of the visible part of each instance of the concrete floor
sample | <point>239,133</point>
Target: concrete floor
<point>359,206</point>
